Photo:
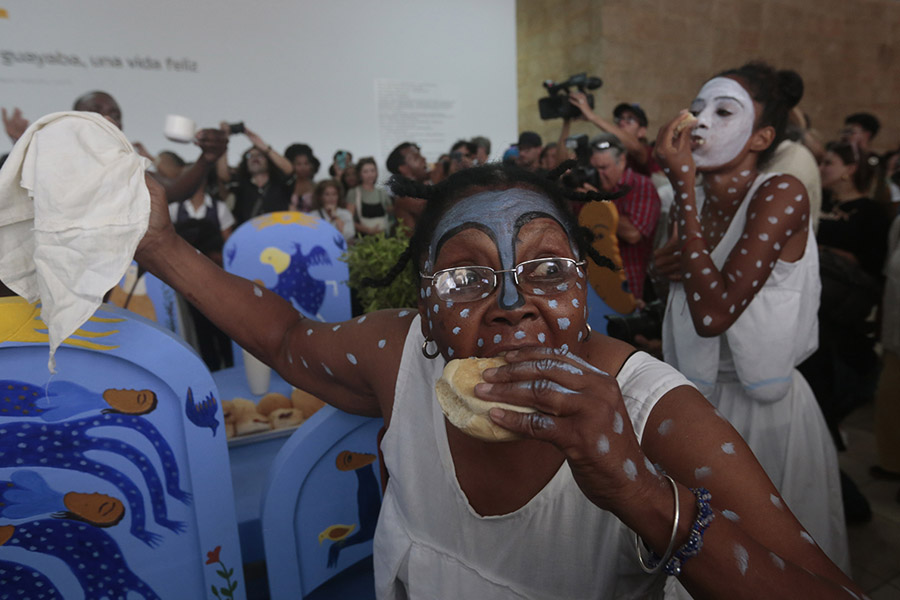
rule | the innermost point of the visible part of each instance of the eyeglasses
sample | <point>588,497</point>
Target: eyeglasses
<point>539,277</point>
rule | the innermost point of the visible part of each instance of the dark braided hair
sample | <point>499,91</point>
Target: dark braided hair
<point>492,176</point>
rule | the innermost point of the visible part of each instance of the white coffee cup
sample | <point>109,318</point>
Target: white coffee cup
<point>258,374</point>
<point>180,129</point>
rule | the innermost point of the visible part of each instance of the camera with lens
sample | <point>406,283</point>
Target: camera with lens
<point>557,106</point>
<point>646,322</point>
<point>583,172</point>
<point>234,128</point>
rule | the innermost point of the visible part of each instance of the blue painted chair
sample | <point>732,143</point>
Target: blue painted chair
<point>297,256</point>
<point>146,295</point>
<point>123,451</point>
<point>320,508</point>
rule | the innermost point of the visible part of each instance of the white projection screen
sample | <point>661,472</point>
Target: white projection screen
<point>360,75</point>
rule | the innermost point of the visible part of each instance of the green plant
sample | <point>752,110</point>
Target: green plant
<point>373,256</point>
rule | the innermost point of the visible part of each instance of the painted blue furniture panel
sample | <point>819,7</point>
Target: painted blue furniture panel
<point>297,256</point>
<point>321,505</point>
<point>114,472</point>
<point>148,296</point>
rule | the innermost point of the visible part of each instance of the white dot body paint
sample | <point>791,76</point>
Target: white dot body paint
<point>541,337</point>
<point>519,335</point>
<point>552,303</point>
<point>422,293</point>
<point>731,515</point>
<point>630,469</point>
<point>775,500</point>
<point>327,370</point>
<point>707,320</point>
<point>464,313</point>
<point>362,319</point>
<point>649,466</point>
<point>777,560</point>
<point>563,323</point>
<point>336,327</point>
<point>497,338</point>
<point>728,448</point>
<point>618,423</point>
<point>456,330</point>
<point>382,343</point>
<point>305,364</point>
<point>807,537</point>
<point>603,444</point>
<point>684,168</point>
<point>744,173</point>
<point>480,343</point>
<point>290,359</point>
<point>449,303</point>
<point>351,358</point>
<point>435,308</point>
<point>403,313</point>
<point>706,271</point>
<point>257,292</point>
<point>428,292</point>
<point>724,137</point>
<point>742,557</point>
<point>564,348</point>
<point>450,352</point>
<point>696,296</point>
<point>575,302</point>
<point>702,472</point>
<point>309,332</point>
<point>665,427</point>
<point>783,185</point>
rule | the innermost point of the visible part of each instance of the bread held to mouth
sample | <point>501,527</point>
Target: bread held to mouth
<point>456,395</point>
<point>687,121</point>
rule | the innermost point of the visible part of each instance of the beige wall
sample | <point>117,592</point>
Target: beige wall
<point>659,53</point>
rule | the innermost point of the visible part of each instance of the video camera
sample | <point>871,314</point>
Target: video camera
<point>583,172</point>
<point>557,105</point>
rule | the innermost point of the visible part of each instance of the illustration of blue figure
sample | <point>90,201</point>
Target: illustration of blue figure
<point>202,414</point>
<point>90,553</point>
<point>19,581</point>
<point>27,494</point>
<point>64,399</point>
<point>64,445</point>
<point>368,499</point>
<point>294,281</point>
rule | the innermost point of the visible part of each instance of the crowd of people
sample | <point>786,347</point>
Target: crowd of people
<point>776,255</point>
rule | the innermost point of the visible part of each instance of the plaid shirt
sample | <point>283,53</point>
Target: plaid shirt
<point>641,207</point>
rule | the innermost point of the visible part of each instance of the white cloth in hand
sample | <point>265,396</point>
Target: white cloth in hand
<point>73,207</point>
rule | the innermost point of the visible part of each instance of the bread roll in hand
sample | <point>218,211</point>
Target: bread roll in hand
<point>456,395</point>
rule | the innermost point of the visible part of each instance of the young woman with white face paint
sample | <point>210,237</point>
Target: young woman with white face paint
<point>547,515</point>
<point>742,307</point>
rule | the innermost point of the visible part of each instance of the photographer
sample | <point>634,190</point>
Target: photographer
<point>638,208</point>
<point>629,125</point>
<point>261,183</point>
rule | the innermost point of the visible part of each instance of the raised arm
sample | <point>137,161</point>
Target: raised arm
<point>213,144</point>
<point>776,228</point>
<point>636,149</point>
<point>280,161</point>
<point>350,365</point>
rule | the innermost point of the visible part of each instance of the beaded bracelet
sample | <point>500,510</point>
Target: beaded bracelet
<point>637,540</point>
<point>691,548</point>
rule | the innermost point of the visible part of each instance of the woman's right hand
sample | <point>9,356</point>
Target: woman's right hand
<point>160,230</point>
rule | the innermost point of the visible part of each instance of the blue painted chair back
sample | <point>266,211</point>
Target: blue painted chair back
<point>114,471</point>
<point>148,296</point>
<point>320,508</point>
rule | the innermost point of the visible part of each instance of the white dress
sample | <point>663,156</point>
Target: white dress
<point>430,543</point>
<point>748,373</point>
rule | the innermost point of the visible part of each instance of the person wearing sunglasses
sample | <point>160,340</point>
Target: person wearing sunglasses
<point>621,474</point>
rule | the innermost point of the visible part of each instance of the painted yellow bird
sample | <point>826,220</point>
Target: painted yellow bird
<point>336,533</point>
<point>283,218</point>
<point>278,259</point>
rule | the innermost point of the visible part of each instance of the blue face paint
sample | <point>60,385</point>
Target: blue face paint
<point>500,214</point>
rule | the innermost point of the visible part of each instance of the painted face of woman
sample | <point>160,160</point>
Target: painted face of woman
<point>725,117</point>
<point>499,229</point>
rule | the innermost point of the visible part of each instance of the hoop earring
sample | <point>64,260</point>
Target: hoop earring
<point>425,352</point>
<point>589,332</point>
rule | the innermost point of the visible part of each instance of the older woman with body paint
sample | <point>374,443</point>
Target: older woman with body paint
<point>599,486</point>
<point>742,309</point>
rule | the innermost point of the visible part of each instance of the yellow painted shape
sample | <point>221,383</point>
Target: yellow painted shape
<point>3,14</point>
<point>336,533</point>
<point>602,219</point>
<point>279,259</point>
<point>20,321</point>
<point>283,218</point>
